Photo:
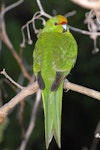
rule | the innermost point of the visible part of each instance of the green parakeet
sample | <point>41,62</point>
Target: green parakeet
<point>54,56</point>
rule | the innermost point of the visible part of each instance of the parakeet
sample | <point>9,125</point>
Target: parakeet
<point>54,56</point>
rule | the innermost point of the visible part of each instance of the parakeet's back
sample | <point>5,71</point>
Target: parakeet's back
<point>55,50</point>
<point>54,56</point>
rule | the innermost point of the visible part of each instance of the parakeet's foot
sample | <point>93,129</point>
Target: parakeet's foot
<point>65,85</point>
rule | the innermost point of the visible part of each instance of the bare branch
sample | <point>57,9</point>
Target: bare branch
<point>39,5</point>
<point>84,32</point>
<point>32,121</point>
<point>3,34</point>
<point>89,4</point>
<point>42,12</point>
<point>97,131</point>
<point>69,14</point>
<point>37,15</point>
<point>21,118</point>
<point>11,7</point>
<point>4,110</point>
<point>81,89</point>
<point>10,79</point>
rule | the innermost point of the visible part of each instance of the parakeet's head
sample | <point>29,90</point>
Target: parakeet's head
<point>56,24</point>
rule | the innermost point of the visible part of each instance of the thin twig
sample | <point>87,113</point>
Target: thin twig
<point>37,15</point>
<point>69,14</point>
<point>11,80</point>
<point>20,118</point>
<point>97,131</point>
<point>32,121</point>
<point>83,31</point>
<point>11,7</point>
<point>39,5</point>
<point>42,12</point>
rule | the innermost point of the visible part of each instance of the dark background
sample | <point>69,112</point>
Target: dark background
<point>80,114</point>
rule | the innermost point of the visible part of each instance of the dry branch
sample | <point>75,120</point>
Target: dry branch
<point>32,121</point>
<point>4,110</point>
<point>10,79</point>
<point>83,90</point>
<point>89,4</point>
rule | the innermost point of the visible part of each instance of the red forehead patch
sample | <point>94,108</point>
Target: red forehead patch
<point>63,22</point>
<point>62,19</point>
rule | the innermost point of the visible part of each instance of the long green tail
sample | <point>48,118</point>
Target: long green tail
<point>52,103</point>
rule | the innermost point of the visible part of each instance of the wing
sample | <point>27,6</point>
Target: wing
<point>38,56</point>
<point>65,53</point>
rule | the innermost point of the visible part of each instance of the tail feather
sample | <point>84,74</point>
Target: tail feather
<point>52,103</point>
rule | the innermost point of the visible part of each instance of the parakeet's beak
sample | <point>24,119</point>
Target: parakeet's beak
<point>64,26</point>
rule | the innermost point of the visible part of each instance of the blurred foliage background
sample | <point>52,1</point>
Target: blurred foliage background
<point>80,114</point>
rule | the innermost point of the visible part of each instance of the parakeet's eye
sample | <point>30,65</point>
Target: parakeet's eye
<point>56,23</point>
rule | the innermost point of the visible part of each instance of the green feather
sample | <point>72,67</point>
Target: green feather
<point>52,102</point>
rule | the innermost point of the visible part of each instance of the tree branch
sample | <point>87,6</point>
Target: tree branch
<point>10,79</point>
<point>83,90</point>
<point>89,4</point>
<point>12,6</point>
<point>4,110</point>
<point>32,121</point>
<point>84,32</point>
<point>42,12</point>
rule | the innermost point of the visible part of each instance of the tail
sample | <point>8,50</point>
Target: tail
<point>52,103</point>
